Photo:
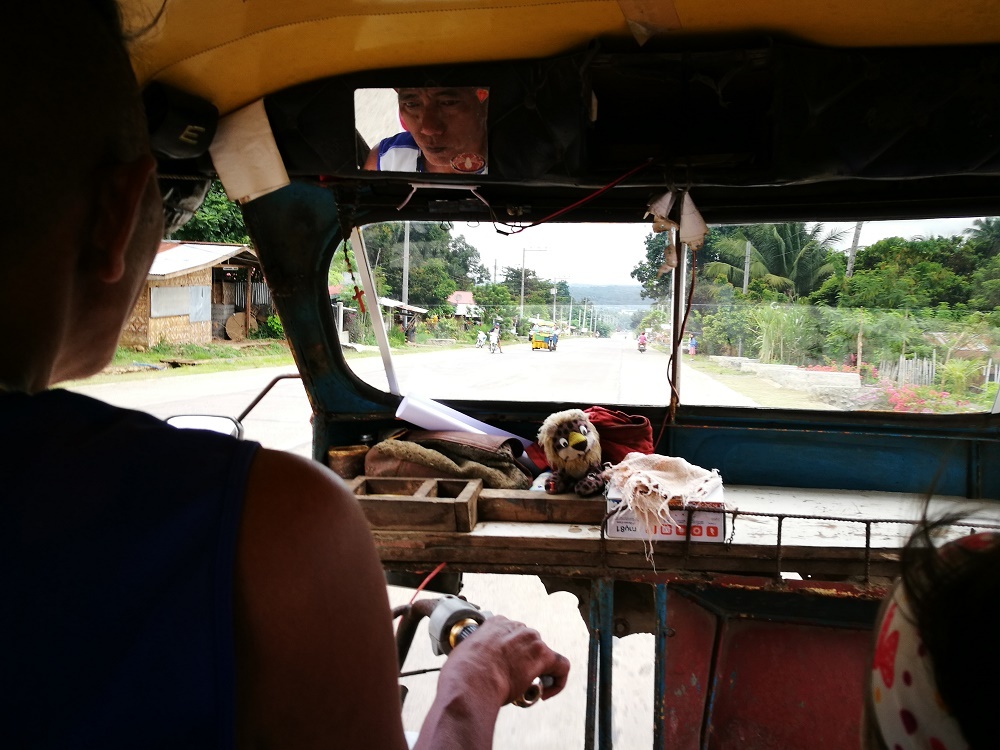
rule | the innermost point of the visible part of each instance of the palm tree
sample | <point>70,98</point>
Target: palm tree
<point>792,258</point>
<point>986,234</point>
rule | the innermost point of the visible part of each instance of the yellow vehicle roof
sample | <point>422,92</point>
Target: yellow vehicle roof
<point>232,53</point>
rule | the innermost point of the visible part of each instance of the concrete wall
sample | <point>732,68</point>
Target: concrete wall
<point>835,388</point>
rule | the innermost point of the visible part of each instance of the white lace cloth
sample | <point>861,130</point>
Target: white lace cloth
<point>648,483</point>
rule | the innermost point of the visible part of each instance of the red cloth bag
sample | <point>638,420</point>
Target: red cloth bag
<point>620,433</point>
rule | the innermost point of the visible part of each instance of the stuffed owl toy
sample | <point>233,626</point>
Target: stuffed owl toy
<point>573,449</point>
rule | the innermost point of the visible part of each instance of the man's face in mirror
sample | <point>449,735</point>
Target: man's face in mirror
<point>449,126</point>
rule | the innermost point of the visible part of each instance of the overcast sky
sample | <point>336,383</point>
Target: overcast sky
<point>607,253</point>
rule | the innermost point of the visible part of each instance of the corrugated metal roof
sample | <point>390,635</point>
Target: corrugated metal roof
<point>395,303</point>
<point>178,258</point>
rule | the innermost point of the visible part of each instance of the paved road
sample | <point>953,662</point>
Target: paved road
<point>588,371</point>
<point>582,370</point>
<point>280,421</point>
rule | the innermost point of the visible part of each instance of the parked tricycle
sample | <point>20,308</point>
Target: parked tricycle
<point>544,338</point>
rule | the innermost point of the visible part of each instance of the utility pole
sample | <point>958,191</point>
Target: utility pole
<point>746,283</point>
<point>523,251</point>
<point>746,268</point>
<point>853,251</point>
<point>861,327</point>
<point>406,261</point>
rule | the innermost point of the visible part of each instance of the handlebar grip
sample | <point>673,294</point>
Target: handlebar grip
<point>535,691</point>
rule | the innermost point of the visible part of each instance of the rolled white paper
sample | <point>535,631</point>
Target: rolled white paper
<point>431,415</point>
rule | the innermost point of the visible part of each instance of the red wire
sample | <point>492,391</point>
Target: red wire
<point>585,199</point>
<point>427,580</point>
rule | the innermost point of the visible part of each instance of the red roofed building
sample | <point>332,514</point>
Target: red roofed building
<point>465,305</point>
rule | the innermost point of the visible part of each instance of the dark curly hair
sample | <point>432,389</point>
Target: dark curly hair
<point>954,595</point>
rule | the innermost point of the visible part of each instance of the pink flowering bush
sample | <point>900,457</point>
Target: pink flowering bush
<point>919,399</point>
<point>869,372</point>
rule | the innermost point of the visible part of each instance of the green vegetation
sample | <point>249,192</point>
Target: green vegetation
<point>200,353</point>
<point>269,328</point>
<point>440,264</point>
<point>789,258</point>
<point>218,219</point>
<point>934,301</point>
<point>170,360</point>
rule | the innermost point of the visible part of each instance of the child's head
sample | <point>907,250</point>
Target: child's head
<point>937,648</point>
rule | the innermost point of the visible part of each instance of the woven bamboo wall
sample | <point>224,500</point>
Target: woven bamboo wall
<point>143,331</point>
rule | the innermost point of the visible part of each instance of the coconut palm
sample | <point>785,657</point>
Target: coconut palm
<point>792,258</point>
<point>986,234</point>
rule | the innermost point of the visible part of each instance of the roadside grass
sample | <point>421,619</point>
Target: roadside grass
<point>881,396</point>
<point>763,391</point>
<point>230,352</point>
<point>703,364</point>
<point>174,360</point>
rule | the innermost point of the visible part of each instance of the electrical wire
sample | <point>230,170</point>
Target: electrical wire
<point>571,206</point>
<point>427,580</point>
<point>676,348</point>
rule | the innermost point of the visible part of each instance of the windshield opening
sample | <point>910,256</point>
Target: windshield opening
<point>878,316</point>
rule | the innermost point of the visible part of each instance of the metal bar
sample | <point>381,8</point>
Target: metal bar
<point>267,389</point>
<point>410,616</point>
<point>606,593</point>
<point>777,574</point>
<point>706,725</point>
<point>660,667</point>
<point>868,553</point>
<point>593,625</point>
<point>373,308</point>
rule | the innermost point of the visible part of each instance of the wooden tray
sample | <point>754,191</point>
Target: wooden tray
<point>417,504</point>
<point>400,504</point>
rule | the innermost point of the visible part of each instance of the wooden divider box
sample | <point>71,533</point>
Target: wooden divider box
<point>401,504</point>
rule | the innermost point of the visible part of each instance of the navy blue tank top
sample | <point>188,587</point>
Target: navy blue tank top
<point>117,551</point>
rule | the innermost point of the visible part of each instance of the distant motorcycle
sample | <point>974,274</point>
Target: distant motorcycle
<point>480,340</point>
<point>642,347</point>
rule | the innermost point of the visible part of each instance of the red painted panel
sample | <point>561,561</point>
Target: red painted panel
<point>688,672</point>
<point>785,686</point>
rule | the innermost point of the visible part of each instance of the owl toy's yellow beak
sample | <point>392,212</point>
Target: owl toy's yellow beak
<point>575,438</point>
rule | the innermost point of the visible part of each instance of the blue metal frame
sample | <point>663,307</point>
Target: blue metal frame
<point>600,664</point>
<point>660,660</point>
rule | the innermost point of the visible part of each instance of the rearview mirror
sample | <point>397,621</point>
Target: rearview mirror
<point>210,422</point>
<point>424,129</point>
